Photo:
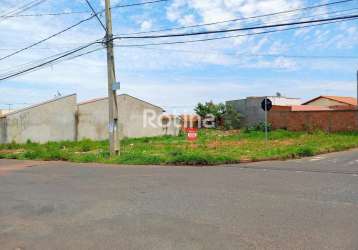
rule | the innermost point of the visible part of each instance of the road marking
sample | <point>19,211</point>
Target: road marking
<point>317,158</point>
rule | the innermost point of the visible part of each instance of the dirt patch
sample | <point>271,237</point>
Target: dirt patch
<point>8,166</point>
<point>12,151</point>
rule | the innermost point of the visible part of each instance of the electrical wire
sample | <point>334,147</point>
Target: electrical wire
<point>250,55</point>
<point>306,17</point>
<point>143,3</point>
<point>238,19</point>
<point>66,54</point>
<point>22,9</point>
<point>47,38</point>
<point>49,62</point>
<point>86,12</point>
<point>73,26</point>
<point>95,13</point>
<point>225,37</point>
<point>239,29</point>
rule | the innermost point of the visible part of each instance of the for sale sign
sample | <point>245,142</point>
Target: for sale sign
<point>192,134</point>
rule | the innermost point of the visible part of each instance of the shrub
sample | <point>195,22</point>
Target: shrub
<point>258,127</point>
<point>305,151</point>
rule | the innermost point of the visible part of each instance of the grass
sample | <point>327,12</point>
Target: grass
<point>213,147</point>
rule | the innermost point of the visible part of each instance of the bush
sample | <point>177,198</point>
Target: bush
<point>232,118</point>
<point>258,127</point>
<point>305,151</point>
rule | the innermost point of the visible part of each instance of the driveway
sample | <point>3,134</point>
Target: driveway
<point>301,204</point>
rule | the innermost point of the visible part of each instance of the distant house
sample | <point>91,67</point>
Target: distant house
<point>332,101</point>
<point>250,108</point>
<point>4,112</point>
<point>327,113</point>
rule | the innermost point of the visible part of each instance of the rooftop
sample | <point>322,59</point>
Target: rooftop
<point>341,99</point>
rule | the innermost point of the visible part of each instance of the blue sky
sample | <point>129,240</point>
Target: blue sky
<point>178,76</point>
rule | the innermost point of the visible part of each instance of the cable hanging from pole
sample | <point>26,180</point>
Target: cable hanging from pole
<point>239,29</point>
<point>87,12</point>
<point>240,19</point>
<point>223,37</point>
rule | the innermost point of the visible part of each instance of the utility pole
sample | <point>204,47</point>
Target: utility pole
<point>114,147</point>
<point>266,120</point>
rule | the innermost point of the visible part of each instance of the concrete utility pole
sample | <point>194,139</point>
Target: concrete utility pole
<point>114,147</point>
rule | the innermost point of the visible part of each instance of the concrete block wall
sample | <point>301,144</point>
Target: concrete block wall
<point>2,130</point>
<point>329,121</point>
<point>49,121</point>
<point>251,109</point>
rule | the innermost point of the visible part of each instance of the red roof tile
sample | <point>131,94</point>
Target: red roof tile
<point>341,99</point>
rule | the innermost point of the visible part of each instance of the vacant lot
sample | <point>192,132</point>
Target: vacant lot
<point>212,147</point>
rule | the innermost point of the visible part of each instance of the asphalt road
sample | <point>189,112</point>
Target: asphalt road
<point>301,204</point>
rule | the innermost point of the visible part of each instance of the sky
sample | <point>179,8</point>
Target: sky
<point>302,63</point>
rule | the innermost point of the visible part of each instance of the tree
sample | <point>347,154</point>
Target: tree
<point>211,109</point>
<point>232,118</point>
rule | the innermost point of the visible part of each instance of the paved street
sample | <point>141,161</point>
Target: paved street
<point>301,204</point>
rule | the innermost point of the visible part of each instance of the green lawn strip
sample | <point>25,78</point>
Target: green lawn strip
<point>213,147</point>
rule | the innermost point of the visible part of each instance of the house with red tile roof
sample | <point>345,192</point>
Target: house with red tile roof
<point>332,101</point>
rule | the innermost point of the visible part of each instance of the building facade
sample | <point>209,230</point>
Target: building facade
<point>251,111</point>
<point>136,118</point>
<point>62,119</point>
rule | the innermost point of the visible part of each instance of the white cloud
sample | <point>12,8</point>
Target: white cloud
<point>146,25</point>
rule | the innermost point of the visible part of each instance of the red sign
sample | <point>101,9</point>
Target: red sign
<point>192,134</point>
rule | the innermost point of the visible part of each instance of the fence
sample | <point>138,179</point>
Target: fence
<point>329,121</point>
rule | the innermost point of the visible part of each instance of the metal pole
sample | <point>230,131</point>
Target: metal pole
<point>112,95</point>
<point>357,89</point>
<point>266,118</point>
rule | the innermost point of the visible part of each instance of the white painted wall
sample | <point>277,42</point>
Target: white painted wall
<point>49,121</point>
<point>93,119</point>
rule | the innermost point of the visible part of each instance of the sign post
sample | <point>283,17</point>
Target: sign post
<point>266,105</point>
<point>192,134</point>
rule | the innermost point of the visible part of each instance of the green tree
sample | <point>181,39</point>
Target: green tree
<point>211,109</point>
<point>232,118</point>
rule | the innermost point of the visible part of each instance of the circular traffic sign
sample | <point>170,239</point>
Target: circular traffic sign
<point>266,104</point>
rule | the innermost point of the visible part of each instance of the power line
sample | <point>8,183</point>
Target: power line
<point>48,62</point>
<point>86,12</point>
<point>252,55</point>
<point>141,3</point>
<point>240,19</point>
<point>240,29</point>
<point>47,38</point>
<point>63,55</point>
<point>95,13</point>
<point>328,13</point>
<point>223,37</point>
<point>22,8</point>
<point>20,67</point>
